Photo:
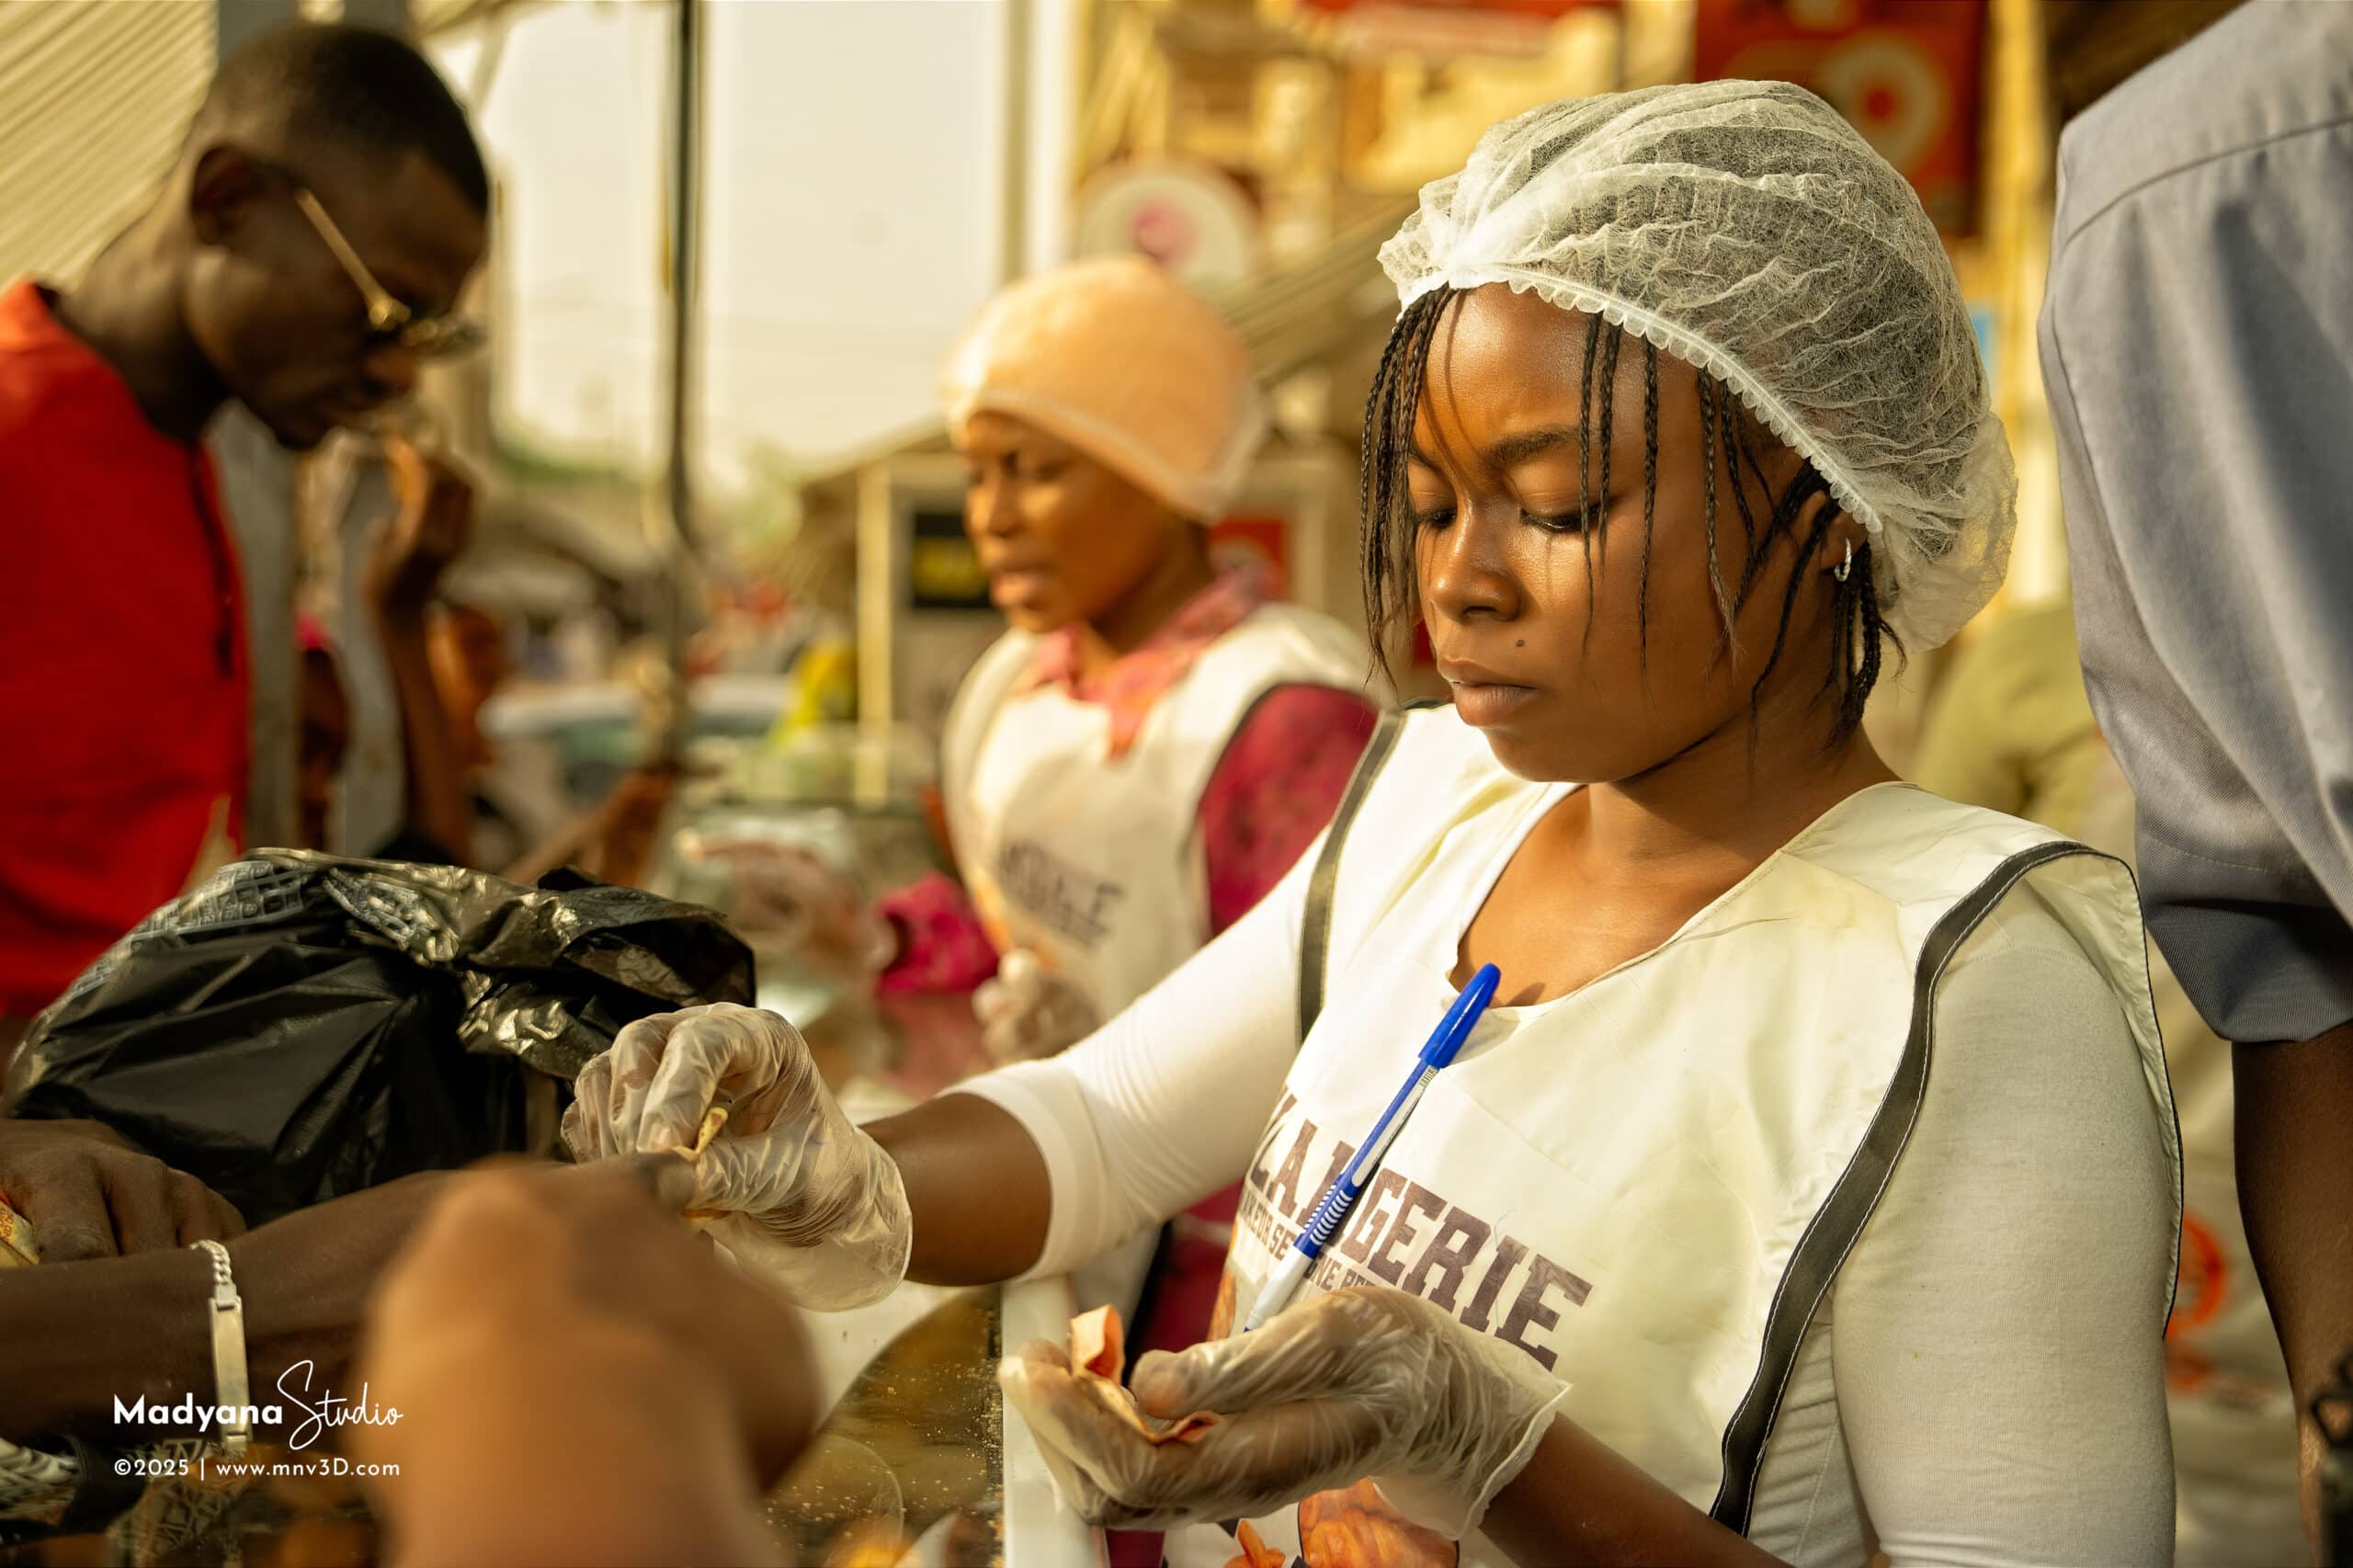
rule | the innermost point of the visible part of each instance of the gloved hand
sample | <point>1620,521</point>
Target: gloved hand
<point>1355,1383</point>
<point>1029,1012</point>
<point>808,1199</point>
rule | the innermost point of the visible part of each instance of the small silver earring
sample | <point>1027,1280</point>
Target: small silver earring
<point>1845,567</point>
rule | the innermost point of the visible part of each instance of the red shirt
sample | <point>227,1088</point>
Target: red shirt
<point>122,657</point>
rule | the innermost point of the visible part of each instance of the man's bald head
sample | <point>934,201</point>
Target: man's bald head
<point>315,148</point>
<point>345,89</point>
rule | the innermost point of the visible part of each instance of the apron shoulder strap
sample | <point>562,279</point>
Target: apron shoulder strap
<point>1838,1224</point>
<point>1315,927</point>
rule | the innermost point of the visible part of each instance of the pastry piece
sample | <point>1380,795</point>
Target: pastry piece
<point>1098,1342</point>
<point>1255,1554</point>
<point>1098,1356</point>
<point>712,1120</point>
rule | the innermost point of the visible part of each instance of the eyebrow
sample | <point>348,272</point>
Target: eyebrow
<point>1512,451</point>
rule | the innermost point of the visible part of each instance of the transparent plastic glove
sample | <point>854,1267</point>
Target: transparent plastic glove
<point>1352,1384</point>
<point>1028,1011</point>
<point>805,1197</point>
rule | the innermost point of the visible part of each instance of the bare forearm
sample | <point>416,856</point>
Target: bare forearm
<point>439,805</point>
<point>1580,1502</point>
<point>976,1185</point>
<point>83,1335</point>
<point>2295,1170</point>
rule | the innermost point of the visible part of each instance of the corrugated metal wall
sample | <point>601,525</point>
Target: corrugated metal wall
<point>94,97</point>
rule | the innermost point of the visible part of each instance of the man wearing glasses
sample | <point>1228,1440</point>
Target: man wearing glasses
<point>323,218</point>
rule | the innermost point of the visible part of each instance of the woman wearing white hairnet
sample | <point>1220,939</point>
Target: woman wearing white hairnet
<point>1811,1188</point>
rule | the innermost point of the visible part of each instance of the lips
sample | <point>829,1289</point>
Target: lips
<point>1463,672</point>
<point>1483,696</point>
<point>1012,585</point>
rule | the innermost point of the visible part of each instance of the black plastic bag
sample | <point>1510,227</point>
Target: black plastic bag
<point>303,1025</point>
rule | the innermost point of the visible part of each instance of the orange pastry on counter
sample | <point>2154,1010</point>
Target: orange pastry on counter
<point>1355,1528</point>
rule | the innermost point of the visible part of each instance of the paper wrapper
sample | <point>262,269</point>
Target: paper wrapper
<point>1099,1357</point>
<point>18,1248</point>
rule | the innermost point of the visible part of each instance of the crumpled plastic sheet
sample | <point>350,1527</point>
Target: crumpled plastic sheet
<point>303,1024</point>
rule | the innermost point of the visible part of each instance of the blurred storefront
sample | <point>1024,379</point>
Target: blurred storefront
<point>1261,149</point>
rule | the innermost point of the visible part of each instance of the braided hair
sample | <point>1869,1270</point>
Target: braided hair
<point>1727,438</point>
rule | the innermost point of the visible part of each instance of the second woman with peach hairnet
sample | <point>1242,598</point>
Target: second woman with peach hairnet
<point>1152,744</point>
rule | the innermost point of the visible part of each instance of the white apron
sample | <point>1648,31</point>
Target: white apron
<point>1649,1185</point>
<point>1093,862</point>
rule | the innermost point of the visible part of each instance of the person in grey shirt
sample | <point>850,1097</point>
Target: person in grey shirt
<point>2198,346</point>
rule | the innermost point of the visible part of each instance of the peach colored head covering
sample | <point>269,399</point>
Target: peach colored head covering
<point>1116,358</point>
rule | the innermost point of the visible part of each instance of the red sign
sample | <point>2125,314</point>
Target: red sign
<point>1907,73</point>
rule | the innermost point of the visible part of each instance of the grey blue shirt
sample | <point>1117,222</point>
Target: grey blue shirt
<point>2198,348</point>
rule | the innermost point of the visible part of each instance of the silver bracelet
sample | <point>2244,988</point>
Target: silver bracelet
<point>232,1390</point>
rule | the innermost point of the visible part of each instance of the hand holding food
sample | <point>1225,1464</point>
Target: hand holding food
<point>1099,1356</point>
<point>800,1193</point>
<point>1346,1385</point>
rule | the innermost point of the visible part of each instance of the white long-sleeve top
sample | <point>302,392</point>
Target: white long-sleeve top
<point>1984,1385</point>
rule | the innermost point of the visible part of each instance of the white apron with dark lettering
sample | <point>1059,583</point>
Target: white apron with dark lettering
<point>1647,1186</point>
<point>1091,861</point>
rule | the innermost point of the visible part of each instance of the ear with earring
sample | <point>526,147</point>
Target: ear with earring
<point>1844,568</point>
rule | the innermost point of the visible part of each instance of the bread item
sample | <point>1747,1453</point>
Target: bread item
<point>712,1120</point>
<point>1254,1552</point>
<point>1098,1342</point>
<point>1098,1359</point>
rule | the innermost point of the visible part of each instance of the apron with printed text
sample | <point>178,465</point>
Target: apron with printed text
<point>1092,861</point>
<point>1645,1188</point>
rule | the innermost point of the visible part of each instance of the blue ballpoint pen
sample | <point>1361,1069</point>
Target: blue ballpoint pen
<point>1332,1214</point>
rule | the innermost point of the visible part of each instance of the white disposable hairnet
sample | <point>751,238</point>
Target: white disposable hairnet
<point>1745,227</point>
<point>1115,357</point>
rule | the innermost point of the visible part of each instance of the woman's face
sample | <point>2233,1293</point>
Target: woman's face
<point>1558,674</point>
<point>1062,537</point>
